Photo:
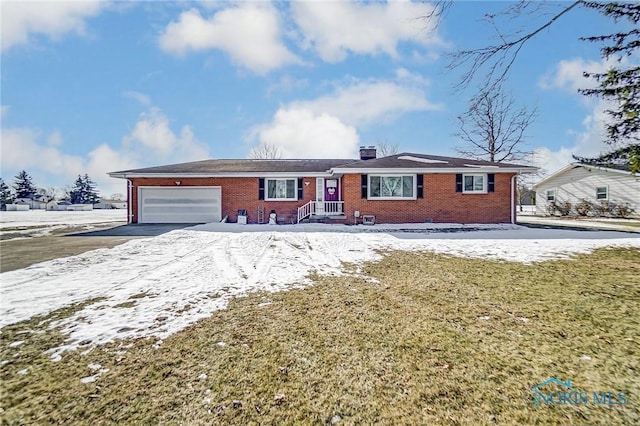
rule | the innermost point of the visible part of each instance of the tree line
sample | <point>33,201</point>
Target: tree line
<point>83,190</point>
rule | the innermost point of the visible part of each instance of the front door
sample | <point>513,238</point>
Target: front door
<point>331,190</point>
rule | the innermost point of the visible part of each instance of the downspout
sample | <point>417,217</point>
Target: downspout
<point>129,203</point>
<point>513,208</point>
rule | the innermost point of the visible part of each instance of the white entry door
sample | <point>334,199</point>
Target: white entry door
<point>319,196</point>
<point>174,204</point>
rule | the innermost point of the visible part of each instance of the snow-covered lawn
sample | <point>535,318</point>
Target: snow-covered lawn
<point>34,218</point>
<point>160,285</point>
<point>40,223</point>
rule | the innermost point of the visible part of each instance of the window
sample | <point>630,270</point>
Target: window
<point>474,183</point>
<point>281,189</point>
<point>602,193</point>
<point>551,195</point>
<point>390,187</point>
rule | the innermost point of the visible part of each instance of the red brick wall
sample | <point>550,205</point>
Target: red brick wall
<point>440,203</point>
<point>237,193</point>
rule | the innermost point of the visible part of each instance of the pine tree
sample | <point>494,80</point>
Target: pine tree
<point>91,193</point>
<point>23,185</point>
<point>6,197</point>
<point>84,191</point>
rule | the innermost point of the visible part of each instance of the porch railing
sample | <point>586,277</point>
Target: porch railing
<point>333,208</point>
<point>322,208</point>
<point>306,210</point>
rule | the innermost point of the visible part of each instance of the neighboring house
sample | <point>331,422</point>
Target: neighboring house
<point>35,201</point>
<point>104,203</point>
<point>595,184</point>
<point>54,205</point>
<point>399,188</point>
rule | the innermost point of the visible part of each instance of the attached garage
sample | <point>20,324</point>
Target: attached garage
<point>187,204</point>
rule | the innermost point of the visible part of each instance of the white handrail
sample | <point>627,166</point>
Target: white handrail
<point>306,210</point>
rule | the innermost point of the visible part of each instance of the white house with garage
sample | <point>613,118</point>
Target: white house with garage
<point>595,184</point>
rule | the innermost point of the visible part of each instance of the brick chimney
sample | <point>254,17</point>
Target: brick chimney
<point>367,152</point>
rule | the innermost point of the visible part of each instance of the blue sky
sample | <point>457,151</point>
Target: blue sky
<point>92,87</point>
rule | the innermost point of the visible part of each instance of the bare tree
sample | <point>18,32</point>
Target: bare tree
<point>265,151</point>
<point>620,83</point>
<point>496,60</point>
<point>493,128</point>
<point>385,148</point>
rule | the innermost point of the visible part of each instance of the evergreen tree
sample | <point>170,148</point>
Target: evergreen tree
<point>6,197</point>
<point>628,157</point>
<point>23,185</point>
<point>620,83</point>
<point>91,193</point>
<point>84,191</point>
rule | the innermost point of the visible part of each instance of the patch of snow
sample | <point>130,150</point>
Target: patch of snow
<point>221,344</point>
<point>23,372</point>
<point>585,358</point>
<point>207,265</point>
<point>202,377</point>
<point>523,319</point>
<point>421,160</point>
<point>16,344</point>
<point>484,318</point>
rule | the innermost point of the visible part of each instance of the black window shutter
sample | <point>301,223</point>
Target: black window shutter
<point>261,189</point>
<point>300,194</point>
<point>459,182</point>
<point>491,182</point>
<point>363,186</point>
<point>420,186</point>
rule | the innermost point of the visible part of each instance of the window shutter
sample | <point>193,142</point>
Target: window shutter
<point>363,186</point>
<point>459,182</point>
<point>420,186</point>
<point>491,182</point>
<point>300,194</point>
<point>261,189</point>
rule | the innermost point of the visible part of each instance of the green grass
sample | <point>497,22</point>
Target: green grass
<point>411,347</point>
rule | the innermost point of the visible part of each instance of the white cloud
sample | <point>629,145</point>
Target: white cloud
<point>21,20</point>
<point>152,137</point>
<point>568,75</point>
<point>249,33</point>
<point>588,142</point>
<point>325,127</point>
<point>300,133</point>
<point>150,142</point>
<point>334,29</point>
<point>365,102</point>
<point>141,98</point>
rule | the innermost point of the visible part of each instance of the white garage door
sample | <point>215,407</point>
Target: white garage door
<point>188,204</point>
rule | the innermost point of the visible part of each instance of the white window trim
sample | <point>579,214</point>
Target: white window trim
<point>484,183</point>
<point>415,187</point>
<point>546,195</point>
<point>606,187</point>
<point>266,189</point>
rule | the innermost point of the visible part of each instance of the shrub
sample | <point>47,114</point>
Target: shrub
<point>562,207</point>
<point>604,208</point>
<point>584,208</point>
<point>622,210</point>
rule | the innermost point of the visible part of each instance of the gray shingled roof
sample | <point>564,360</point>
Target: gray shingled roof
<point>411,160</point>
<point>398,161</point>
<point>243,166</point>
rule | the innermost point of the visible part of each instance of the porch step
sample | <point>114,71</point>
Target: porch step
<point>315,218</point>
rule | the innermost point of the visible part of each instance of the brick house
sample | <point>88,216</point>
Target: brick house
<point>401,188</point>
